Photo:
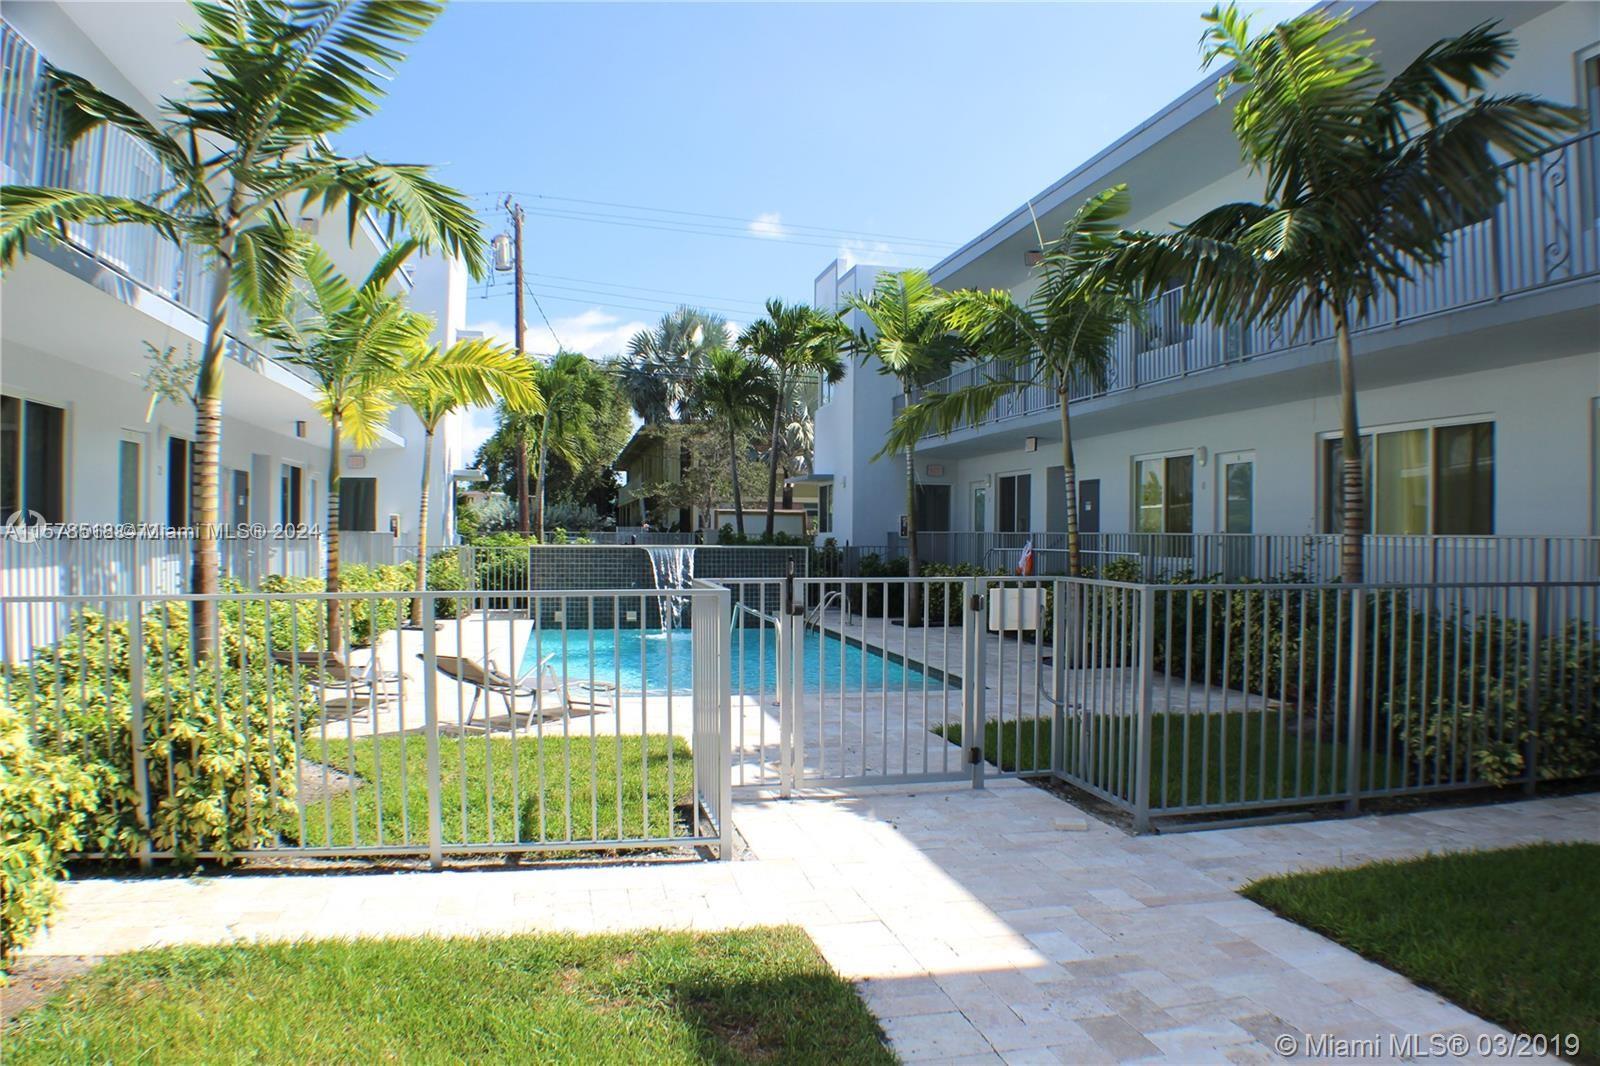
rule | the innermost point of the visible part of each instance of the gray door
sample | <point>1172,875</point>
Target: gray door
<point>933,508</point>
<point>1089,505</point>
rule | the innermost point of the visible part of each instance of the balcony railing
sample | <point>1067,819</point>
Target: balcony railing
<point>1546,232</point>
<point>33,151</point>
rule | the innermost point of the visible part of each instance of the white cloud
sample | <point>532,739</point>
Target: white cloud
<point>769,224</point>
<point>854,252</point>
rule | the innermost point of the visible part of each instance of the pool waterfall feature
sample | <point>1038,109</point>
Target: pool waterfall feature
<point>672,567</point>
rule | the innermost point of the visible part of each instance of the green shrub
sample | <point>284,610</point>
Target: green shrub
<point>304,625</point>
<point>218,741</point>
<point>444,575</point>
<point>44,803</point>
<point>777,538</point>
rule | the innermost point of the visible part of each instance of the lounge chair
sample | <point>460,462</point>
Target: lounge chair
<point>547,697</point>
<point>340,674</point>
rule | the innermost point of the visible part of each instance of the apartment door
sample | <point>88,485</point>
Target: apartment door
<point>980,505</point>
<point>130,479</point>
<point>1236,490</point>
<point>933,508</point>
<point>1089,505</point>
<point>241,497</point>
<point>179,456</point>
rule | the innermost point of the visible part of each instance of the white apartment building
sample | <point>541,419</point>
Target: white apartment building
<point>1479,386</point>
<point>78,439</point>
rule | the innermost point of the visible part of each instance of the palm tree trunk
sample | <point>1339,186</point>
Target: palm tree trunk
<point>738,496</point>
<point>1069,492</point>
<point>538,499</point>
<point>1353,491</point>
<point>335,636</point>
<point>772,453</point>
<point>522,481</point>
<point>422,527</point>
<point>206,562</point>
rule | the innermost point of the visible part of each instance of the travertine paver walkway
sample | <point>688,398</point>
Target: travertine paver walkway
<point>982,926</point>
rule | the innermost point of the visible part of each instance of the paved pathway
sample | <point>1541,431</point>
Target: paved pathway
<point>981,926</point>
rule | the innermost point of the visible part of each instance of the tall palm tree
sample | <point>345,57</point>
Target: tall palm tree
<point>795,341</point>
<point>574,390</point>
<point>278,79</point>
<point>1060,337</point>
<point>911,340</point>
<point>436,381</point>
<point>1364,180</point>
<point>355,340</point>
<point>735,390</point>
<point>658,373</point>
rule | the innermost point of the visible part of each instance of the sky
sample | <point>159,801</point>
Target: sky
<point>722,154</point>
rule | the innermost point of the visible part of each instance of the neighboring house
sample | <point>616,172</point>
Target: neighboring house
<point>1479,387</point>
<point>76,444</point>
<point>647,462</point>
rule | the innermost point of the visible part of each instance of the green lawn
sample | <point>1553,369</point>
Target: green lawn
<point>759,995</point>
<point>1510,935</point>
<point>1232,757</point>
<point>498,790</point>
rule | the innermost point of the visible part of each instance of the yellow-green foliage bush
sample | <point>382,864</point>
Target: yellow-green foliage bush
<point>218,739</point>
<point>44,802</point>
<point>304,625</point>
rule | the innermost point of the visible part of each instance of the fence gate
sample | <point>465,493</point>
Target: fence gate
<point>876,680</point>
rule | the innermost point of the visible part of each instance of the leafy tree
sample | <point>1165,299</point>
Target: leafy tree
<point>436,381</point>
<point>796,342</point>
<point>911,340</point>
<point>279,78</point>
<point>1060,336</point>
<point>735,390</point>
<point>1364,180</point>
<point>658,373</point>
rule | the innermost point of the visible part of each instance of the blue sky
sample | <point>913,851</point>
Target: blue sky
<point>809,131</point>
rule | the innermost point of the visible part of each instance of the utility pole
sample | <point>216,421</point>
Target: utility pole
<point>515,210</point>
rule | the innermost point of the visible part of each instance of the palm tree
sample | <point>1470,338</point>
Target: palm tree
<point>355,341</point>
<point>574,390</point>
<point>911,340</point>
<point>658,373</point>
<point>1364,180</point>
<point>279,79</point>
<point>795,341</point>
<point>1060,336</point>
<point>436,381</point>
<point>735,390</point>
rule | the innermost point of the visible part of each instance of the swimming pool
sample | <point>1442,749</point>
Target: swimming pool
<point>637,660</point>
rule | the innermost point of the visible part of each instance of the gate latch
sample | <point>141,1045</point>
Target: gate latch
<point>975,602</point>
<point>974,756</point>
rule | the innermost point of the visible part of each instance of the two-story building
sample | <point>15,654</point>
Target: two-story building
<point>1479,386</point>
<point>80,439</point>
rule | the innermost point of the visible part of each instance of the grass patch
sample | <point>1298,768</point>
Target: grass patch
<point>499,790</point>
<point>758,995</point>
<point>1235,757</point>
<point>1510,935</point>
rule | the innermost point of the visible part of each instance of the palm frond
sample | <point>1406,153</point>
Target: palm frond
<point>30,211</point>
<point>944,412</point>
<point>267,260</point>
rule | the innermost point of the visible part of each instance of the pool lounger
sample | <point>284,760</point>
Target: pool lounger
<point>550,699</point>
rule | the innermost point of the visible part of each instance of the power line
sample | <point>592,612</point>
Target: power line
<point>544,286</point>
<point>661,307</point>
<point>820,230</point>
<point>559,346</point>
<point>645,288</point>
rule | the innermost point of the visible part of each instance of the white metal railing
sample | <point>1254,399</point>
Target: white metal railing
<point>1171,700</point>
<point>1270,556</point>
<point>571,729</point>
<point>1546,232</point>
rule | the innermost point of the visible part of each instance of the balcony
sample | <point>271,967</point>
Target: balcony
<point>33,152</point>
<point>1546,233</point>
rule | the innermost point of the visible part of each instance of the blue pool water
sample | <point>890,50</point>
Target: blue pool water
<point>638,660</point>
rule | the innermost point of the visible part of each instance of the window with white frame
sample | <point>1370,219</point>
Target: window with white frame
<point>1163,496</point>
<point>1428,479</point>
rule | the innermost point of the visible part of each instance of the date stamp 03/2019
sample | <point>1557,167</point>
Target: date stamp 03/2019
<point>1417,1046</point>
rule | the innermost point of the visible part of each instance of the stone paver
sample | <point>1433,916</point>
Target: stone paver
<point>975,929</point>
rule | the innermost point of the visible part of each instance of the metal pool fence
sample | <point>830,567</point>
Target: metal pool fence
<point>1185,699</point>
<point>326,727</point>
